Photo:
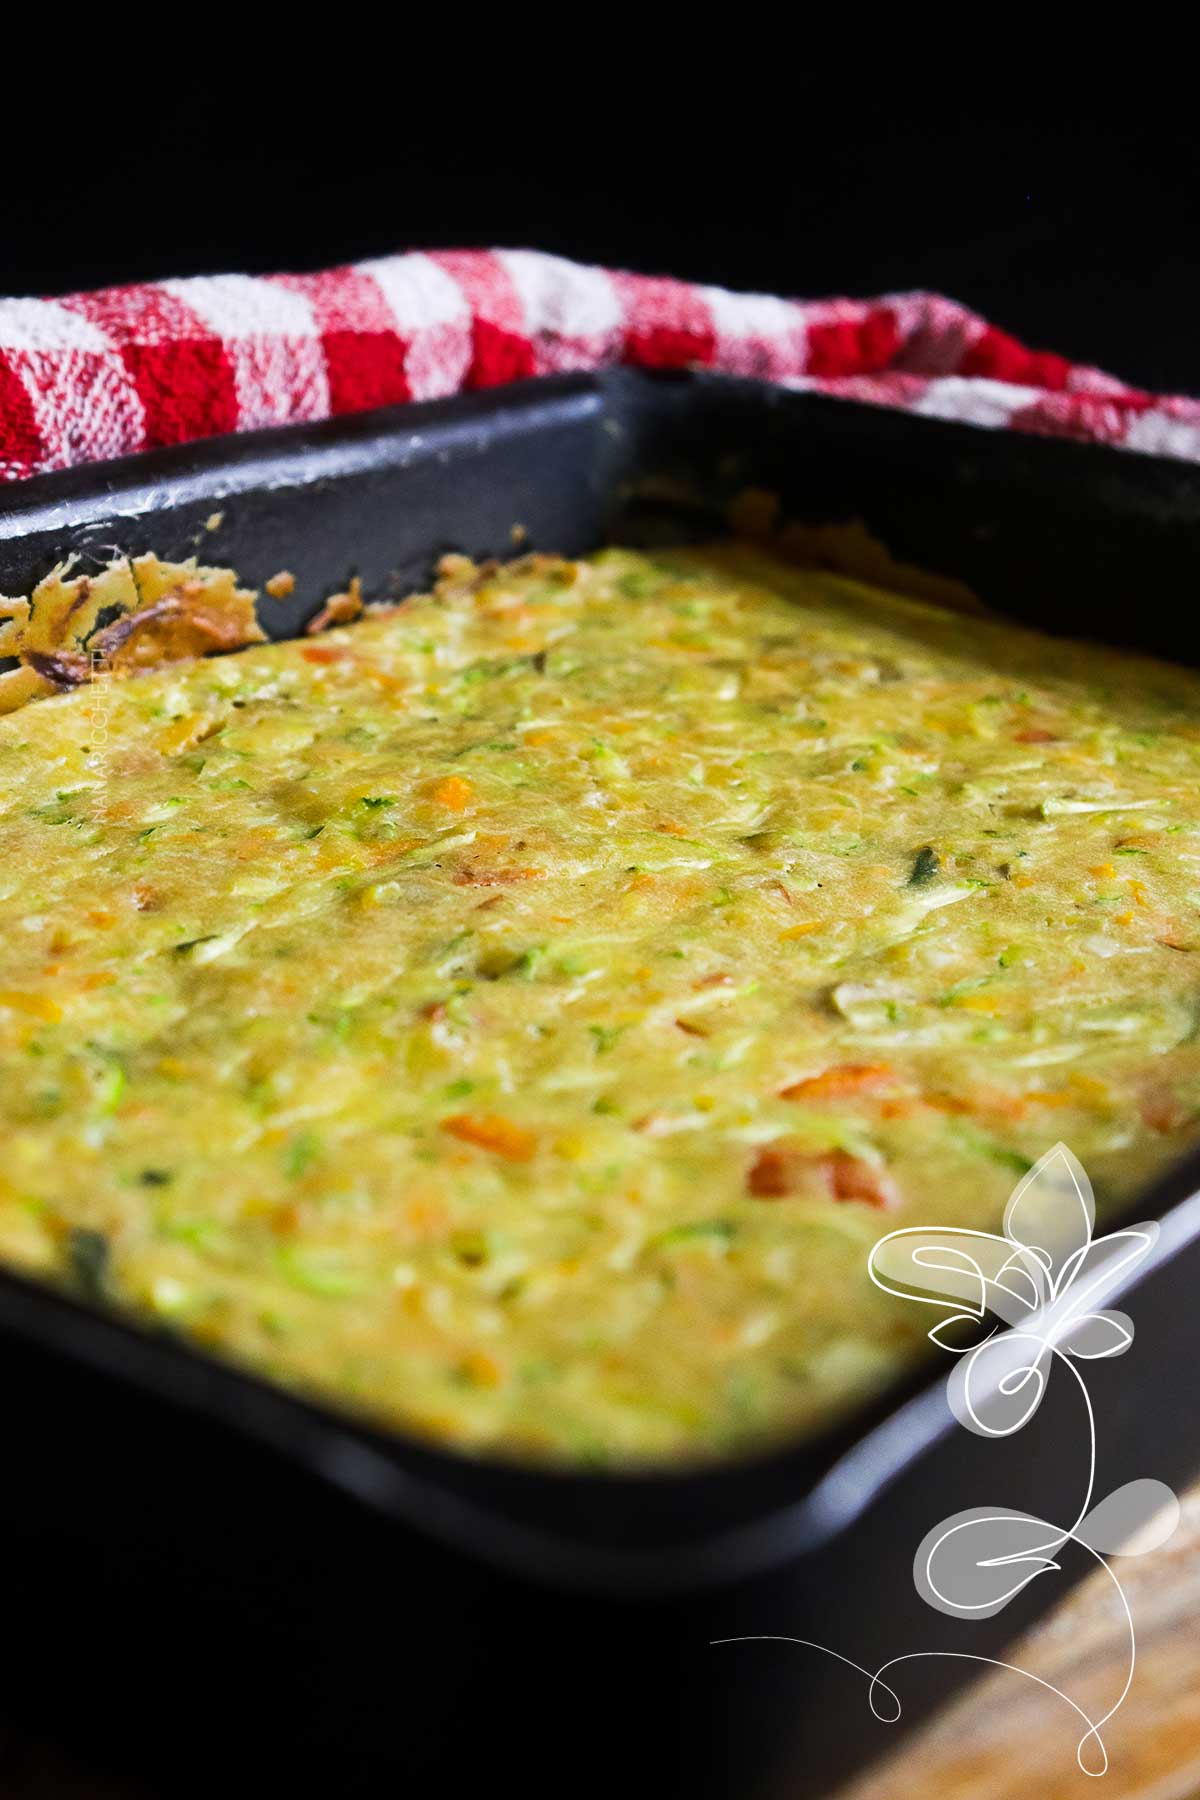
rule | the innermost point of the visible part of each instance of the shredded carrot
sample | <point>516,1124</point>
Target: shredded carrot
<point>323,653</point>
<point>1173,938</point>
<point>382,853</point>
<point>473,877</point>
<point>454,793</point>
<point>991,1100</point>
<point>799,931</point>
<point>836,1083</point>
<point>771,1175</point>
<point>854,1178</point>
<point>254,844</point>
<point>491,1132</point>
<point>1103,871</point>
<point>902,1108</point>
<point>782,1169</point>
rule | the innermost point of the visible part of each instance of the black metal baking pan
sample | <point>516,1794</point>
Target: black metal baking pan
<point>348,1605</point>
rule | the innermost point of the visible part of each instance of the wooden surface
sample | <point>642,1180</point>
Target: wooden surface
<point>1011,1740</point>
<point>1007,1740</point>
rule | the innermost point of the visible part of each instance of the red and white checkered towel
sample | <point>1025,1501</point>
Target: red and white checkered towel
<point>98,375</point>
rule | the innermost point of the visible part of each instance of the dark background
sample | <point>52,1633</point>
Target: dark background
<point>1072,223</point>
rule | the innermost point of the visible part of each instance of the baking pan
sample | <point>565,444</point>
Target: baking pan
<point>296,1591</point>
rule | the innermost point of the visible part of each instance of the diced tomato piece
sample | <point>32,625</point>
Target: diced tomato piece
<point>782,1169</point>
<point>491,1132</point>
<point>854,1178</point>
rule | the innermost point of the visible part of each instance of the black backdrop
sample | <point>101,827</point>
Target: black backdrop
<point>1073,225</point>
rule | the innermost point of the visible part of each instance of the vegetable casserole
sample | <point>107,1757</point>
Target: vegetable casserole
<point>515,1015</point>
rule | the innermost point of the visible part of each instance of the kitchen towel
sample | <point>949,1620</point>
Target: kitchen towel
<point>92,376</point>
